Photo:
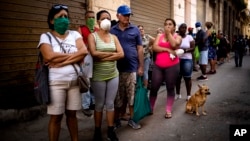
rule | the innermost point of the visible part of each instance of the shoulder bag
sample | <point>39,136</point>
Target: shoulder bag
<point>41,84</point>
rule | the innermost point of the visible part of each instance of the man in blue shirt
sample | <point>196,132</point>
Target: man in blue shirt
<point>129,66</point>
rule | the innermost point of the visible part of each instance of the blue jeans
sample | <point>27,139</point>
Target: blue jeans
<point>147,61</point>
<point>86,99</point>
<point>186,67</point>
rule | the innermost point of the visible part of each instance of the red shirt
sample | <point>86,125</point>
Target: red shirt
<point>85,33</point>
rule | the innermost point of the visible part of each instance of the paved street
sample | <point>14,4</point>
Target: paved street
<point>229,103</point>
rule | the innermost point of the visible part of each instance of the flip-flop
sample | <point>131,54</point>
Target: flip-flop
<point>168,115</point>
<point>125,117</point>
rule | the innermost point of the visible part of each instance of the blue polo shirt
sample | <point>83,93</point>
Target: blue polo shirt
<point>129,39</point>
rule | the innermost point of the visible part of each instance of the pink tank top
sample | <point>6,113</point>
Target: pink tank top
<point>163,58</point>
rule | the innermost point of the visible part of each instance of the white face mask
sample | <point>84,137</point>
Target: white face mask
<point>198,28</point>
<point>105,24</point>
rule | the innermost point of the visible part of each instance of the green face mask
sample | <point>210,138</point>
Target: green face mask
<point>90,24</point>
<point>61,25</point>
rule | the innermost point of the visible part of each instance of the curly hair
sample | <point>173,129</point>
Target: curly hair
<point>209,25</point>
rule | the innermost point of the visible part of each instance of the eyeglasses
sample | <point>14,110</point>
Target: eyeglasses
<point>60,7</point>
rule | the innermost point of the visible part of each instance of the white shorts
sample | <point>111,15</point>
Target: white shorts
<point>203,60</point>
<point>64,95</point>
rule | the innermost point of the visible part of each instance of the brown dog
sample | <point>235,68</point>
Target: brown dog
<point>198,100</point>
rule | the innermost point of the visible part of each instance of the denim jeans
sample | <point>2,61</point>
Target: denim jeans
<point>147,61</point>
<point>186,67</point>
<point>86,99</point>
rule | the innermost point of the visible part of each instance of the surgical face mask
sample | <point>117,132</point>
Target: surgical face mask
<point>61,25</point>
<point>90,24</point>
<point>198,28</point>
<point>105,24</point>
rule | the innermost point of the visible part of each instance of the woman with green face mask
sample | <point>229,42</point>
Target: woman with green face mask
<point>61,49</point>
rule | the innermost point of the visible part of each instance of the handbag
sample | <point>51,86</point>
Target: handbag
<point>41,84</point>
<point>82,79</point>
<point>141,104</point>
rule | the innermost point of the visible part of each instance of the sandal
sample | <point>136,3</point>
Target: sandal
<point>125,117</point>
<point>168,115</point>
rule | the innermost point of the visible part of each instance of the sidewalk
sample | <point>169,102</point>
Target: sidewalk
<point>37,129</point>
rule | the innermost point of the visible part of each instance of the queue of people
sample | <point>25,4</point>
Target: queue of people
<point>112,55</point>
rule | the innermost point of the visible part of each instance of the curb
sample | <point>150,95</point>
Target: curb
<point>11,116</point>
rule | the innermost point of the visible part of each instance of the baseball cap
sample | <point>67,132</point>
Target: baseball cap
<point>190,28</point>
<point>124,10</point>
<point>198,24</point>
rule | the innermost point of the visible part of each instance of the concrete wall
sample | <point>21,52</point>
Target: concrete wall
<point>220,12</point>
<point>190,13</point>
<point>185,12</point>
<point>179,9</point>
<point>201,10</point>
<point>109,5</point>
<point>210,12</point>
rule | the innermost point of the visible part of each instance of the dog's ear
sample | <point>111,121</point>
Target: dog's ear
<point>199,86</point>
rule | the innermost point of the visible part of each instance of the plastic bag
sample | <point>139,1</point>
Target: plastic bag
<point>87,65</point>
<point>196,53</point>
<point>141,103</point>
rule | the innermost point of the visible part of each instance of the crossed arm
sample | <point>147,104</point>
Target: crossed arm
<point>105,56</point>
<point>56,59</point>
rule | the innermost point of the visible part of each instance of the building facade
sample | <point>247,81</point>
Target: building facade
<point>224,14</point>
